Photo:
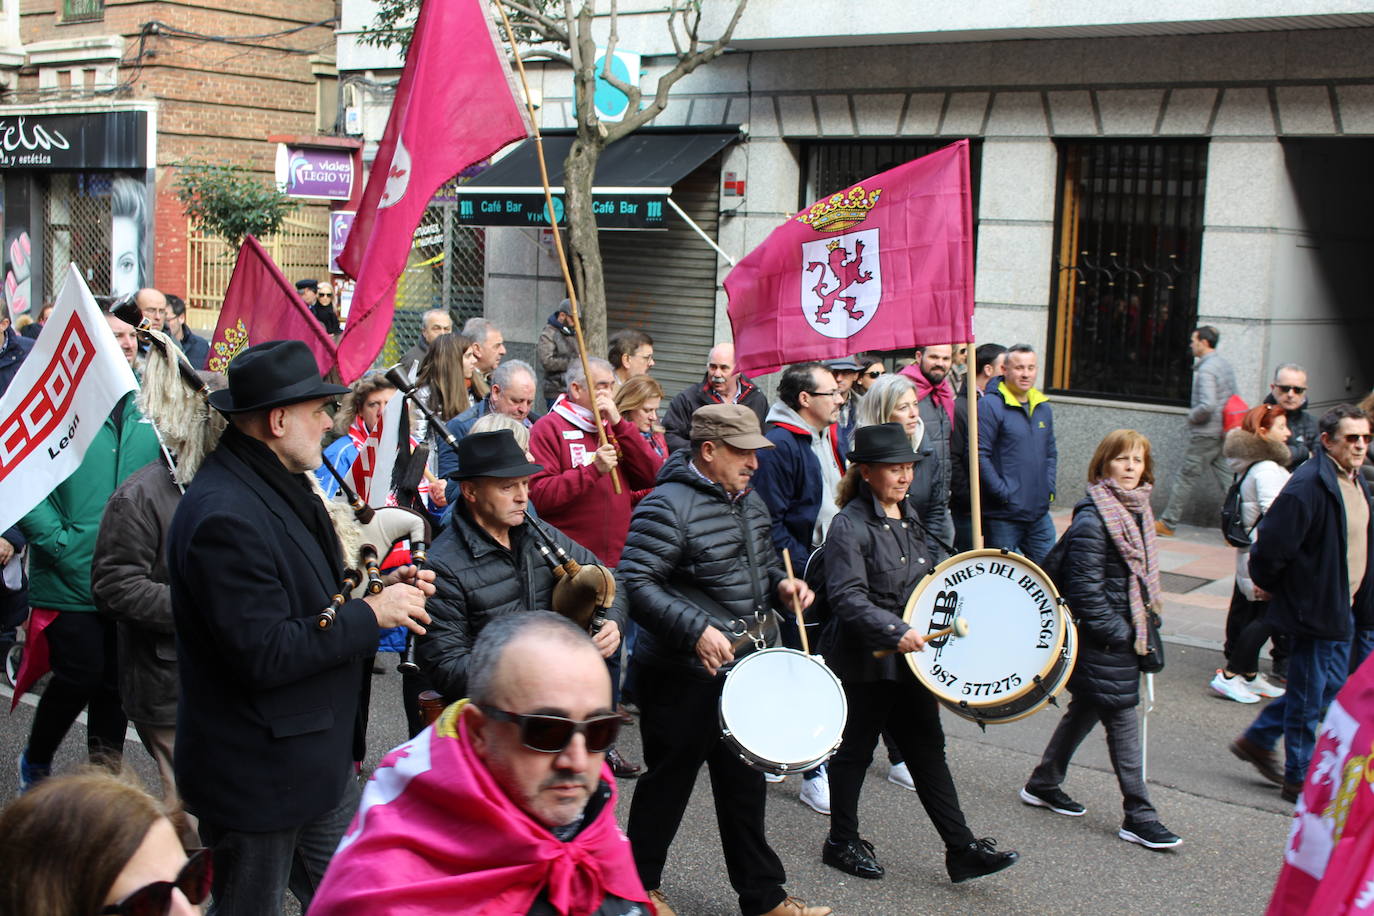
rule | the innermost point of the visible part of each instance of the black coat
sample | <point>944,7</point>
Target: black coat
<point>677,422</point>
<point>475,580</point>
<point>1096,581</point>
<point>696,558</point>
<point>1305,438</point>
<point>1299,557</point>
<point>872,565</point>
<point>13,349</point>
<point>270,710</point>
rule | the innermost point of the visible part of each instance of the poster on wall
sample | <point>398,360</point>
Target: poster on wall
<point>129,230</point>
<point>321,173</point>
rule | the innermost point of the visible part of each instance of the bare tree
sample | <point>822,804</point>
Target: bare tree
<point>566,36</point>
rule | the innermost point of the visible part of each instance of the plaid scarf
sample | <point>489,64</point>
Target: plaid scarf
<point>1130,523</point>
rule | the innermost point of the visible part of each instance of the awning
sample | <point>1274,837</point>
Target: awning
<point>634,179</point>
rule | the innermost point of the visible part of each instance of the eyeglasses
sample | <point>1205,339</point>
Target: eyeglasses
<point>1352,438</point>
<point>876,373</point>
<point>1291,389</point>
<point>833,393</point>
<point>552,734</point>
<point>156,899</point>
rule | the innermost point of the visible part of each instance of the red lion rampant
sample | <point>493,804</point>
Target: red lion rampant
<point>846,273</point>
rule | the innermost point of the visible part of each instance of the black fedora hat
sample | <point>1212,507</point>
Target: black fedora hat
<point>493,454</point>
<point>276,373</point>
<point>885,443</point>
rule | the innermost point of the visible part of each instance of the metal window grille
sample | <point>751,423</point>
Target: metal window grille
<point>78,219</point>
<point>834,165</point>
<point>1125,270</point>
<point>83,10</point>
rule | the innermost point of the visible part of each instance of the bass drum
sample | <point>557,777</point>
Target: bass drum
<point>1021,645</point>
<point>783,711</point>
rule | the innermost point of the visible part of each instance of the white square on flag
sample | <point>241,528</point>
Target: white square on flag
<point>842,282</point>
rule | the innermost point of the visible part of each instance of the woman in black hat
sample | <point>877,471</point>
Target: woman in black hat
<point>875,553</point>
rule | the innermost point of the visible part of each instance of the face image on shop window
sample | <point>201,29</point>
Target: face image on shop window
<point>129,212</point>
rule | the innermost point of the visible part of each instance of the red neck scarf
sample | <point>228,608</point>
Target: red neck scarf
<point>942,394</point>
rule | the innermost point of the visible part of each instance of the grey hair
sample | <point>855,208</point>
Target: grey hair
<point>504,374</point>
<point>1291,367</point>
<point>575,373</point>
<point>877,405</point>
<point>424,319</point>
<point>479,329</point>
<point>484,661</point>
<point>493,422</point>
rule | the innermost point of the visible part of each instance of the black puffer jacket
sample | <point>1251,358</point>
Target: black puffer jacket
<point>1095,579</point>
<point>872,563</point>
<point>476,580</point>
<point>688,538</point>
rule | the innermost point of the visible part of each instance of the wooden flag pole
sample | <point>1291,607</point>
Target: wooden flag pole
<point>975,496</point>
<point>558,240</point>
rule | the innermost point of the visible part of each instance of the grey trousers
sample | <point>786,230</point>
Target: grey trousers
<point>1203,452</point>
<point>1123,745</point>
<point>159,741</point>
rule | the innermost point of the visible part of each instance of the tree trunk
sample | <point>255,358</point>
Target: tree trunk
<point>584,248</point>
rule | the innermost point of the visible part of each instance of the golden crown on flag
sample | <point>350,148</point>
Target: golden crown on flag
<point>235,342</point>
<point>841,211</point>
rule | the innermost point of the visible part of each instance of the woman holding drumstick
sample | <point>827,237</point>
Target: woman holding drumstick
<point>1110,571</point>
<point>875,553</point>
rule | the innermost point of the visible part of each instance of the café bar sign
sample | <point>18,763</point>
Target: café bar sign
<point>631,209</point>
<point>319,172</point>
<point>74,142</point>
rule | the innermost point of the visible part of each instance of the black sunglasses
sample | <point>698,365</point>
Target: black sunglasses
<point>156,899</point>
<point>1295,389</point>
<point>1352,438</point>
<point>875,373</point>
<point>551,734</point>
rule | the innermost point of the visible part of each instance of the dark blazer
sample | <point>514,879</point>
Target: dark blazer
<point>1299,557</point>
<point>269,718</point>
<point>872,565</point>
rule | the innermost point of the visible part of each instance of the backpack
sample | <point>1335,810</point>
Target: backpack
<point>1232,413</point>
<point>1232,521</point>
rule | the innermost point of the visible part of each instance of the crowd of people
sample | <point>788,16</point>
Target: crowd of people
<point>200,578</point>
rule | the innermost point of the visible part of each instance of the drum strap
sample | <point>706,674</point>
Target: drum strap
<point>760,631</point>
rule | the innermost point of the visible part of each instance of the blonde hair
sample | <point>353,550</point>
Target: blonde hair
<point>493,422</point>
<point>633,393</point>
<point>357,396</point>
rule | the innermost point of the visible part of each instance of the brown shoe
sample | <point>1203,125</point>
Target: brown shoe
<point>1163,530</point>
<point>660,903</point>
<point>795,907</point>
<point>1267,762</point>
<point>621,767</point>
<point>1290,792</point>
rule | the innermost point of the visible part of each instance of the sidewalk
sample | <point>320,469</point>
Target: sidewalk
<point>1198,569</point>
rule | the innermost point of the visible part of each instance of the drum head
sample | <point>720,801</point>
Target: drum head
<point>785,710</point>
<point>1016,628</point>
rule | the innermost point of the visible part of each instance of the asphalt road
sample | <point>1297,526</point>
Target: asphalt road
<point>1234,825</point>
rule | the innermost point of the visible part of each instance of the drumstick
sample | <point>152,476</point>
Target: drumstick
<point>796,603</point>
<point>960,628</point>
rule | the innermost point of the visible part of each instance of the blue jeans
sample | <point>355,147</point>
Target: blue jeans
<point>1032,540</point>
<point>1316,670</point>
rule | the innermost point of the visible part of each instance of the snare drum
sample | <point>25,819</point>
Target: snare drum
<point>782,710</point>
<point>1021,645</point>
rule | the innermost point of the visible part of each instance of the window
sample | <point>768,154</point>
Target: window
<point>1125,273</point>
<point>830,166</point>
<point>83,10</point>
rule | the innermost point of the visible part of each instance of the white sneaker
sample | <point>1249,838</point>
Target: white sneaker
<point>1262,688</point>
<point>774,777</point>
<point>900,774</point>
<point>815,793</point>
<point>1232,688</point>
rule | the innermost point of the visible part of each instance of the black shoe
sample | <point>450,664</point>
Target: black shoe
<point>977,859</point>
<point>1150,834</point>
<point>854,856</point>
<point>621,767</point>
<point>1054,799</point>
<point>1290,792</point>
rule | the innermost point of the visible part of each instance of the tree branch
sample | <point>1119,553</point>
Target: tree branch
<point>544,24</point>
<point>546,54</point>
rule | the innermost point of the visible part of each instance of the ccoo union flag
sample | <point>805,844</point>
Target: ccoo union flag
<point>884,265</point>
<point>456,104</point>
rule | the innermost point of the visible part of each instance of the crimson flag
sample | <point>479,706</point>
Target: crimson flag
<point>456,104</point>
<point>884,265</point>
<point>1329,861</point>
<point>261,304</point>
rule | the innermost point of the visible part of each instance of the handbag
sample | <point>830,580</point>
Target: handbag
<point>1152,661</point>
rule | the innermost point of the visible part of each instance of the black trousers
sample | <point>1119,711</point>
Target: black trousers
<point>911,715</point>
<point>82,647</point>
<point>1246,633</point>
<point>680,726</point>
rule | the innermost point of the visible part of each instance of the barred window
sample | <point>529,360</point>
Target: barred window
<point>83,10</point>
<point>1125,272</point>
<point>833,165</point>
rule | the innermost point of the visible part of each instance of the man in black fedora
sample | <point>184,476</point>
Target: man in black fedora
<point>272,701</point>
<point>487,561</point>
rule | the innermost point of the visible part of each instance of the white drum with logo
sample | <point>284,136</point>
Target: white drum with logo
<point>1021,646</point>
<point>782,710</point>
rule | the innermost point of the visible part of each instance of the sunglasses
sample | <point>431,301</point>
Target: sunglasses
<point>1291,389</point>
<point>876,373</point>
<point>1352,438</point>
<point>552,734</point>
<point>156,899</point>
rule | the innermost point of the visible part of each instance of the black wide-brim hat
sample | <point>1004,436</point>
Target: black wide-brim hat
<point>493,454</point>
<point>276,373</point>
<point>885,443</point>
